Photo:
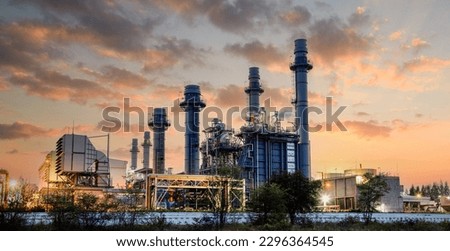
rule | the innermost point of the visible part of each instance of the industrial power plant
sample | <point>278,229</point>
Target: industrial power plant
<point>258,150</point>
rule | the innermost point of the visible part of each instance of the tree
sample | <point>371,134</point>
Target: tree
<point>434,192</point>
<point>269,204</point>
<point>21,195</point>
<point>441,187</point>
<point>424,190</point>
<point>370,193</point>
<point>89,212</point>
<point>412,191</point>
<point>446,191</point>
<point>19,200</point>
<point>417,191</point>
<point>86,202</point>
<point>301,193</point>
<point>62,209</point>
<point>225,184</point>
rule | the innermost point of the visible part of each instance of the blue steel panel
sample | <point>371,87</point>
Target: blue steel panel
<point>276,161</point>
<point>261,168</point>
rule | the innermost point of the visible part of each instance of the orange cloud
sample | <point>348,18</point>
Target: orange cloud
<point>236,17</point>
<point>426,64</point>
<point>3,84</point>
<point>295,16</point>
<point>359,17</point>
<point>259,54</point>
<point>396,35</point>
<point>56,86</point>
<point>400,124</point>
<point>13,151</point>
<point>334,90</point>
<point>362,114</point>
<point>414,75</point>
<point>20,130</point>
<point>367,129</point>
<point>416,44</point>
<point>331,40</point>
<point>123,78</point>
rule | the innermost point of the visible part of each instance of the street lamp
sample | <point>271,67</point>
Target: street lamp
<point>325,198</point>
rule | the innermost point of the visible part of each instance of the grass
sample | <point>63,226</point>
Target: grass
<point>160,224</point>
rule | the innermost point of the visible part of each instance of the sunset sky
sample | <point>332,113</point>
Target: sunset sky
<point>63,62</point>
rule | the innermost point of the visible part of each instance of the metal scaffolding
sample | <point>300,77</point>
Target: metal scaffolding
<point>4,186</point>
<point>196,192</point>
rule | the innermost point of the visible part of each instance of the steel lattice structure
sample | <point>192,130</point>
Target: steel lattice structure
<point>194,191</point>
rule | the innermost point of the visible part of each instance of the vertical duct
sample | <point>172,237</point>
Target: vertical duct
<point>253,90</point>
<point>146,146</point>
<point>134,152</point>
<point>300,67</point>
<point>159,124</point>
<point>192,105</point>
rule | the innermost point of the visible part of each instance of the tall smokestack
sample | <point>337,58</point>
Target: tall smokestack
<point>159,124</point>
<point>134,152</point>
<point>253,90</point>
<point>300,67</point>
<point>146,146</point>
<point>192,105</point>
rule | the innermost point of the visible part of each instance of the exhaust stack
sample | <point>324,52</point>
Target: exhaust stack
<point>146,146</point>
<point>159,124</point>
<point>192,105</point>
<point>134,152</point>
<point>253,90</point>
<point>300,67</point>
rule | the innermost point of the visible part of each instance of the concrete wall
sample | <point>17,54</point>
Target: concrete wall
<point>392,201</point>
<point>118,170</point>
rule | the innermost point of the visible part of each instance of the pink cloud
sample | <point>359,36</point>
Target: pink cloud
<point>367,129</point>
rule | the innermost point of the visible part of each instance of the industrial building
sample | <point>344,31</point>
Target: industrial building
<point>340,191</point>
<point>80,164</point>
<point>260,149</point>
<point>76,164</point>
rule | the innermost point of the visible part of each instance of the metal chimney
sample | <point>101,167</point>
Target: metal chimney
<point>192,105</point>
<point>300,67</point>
<point>253,90</point>
<point>134,152</point>
<point>159,124</point>
<point>146,146</point>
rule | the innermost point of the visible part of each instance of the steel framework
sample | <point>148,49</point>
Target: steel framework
<point>194,188</point>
